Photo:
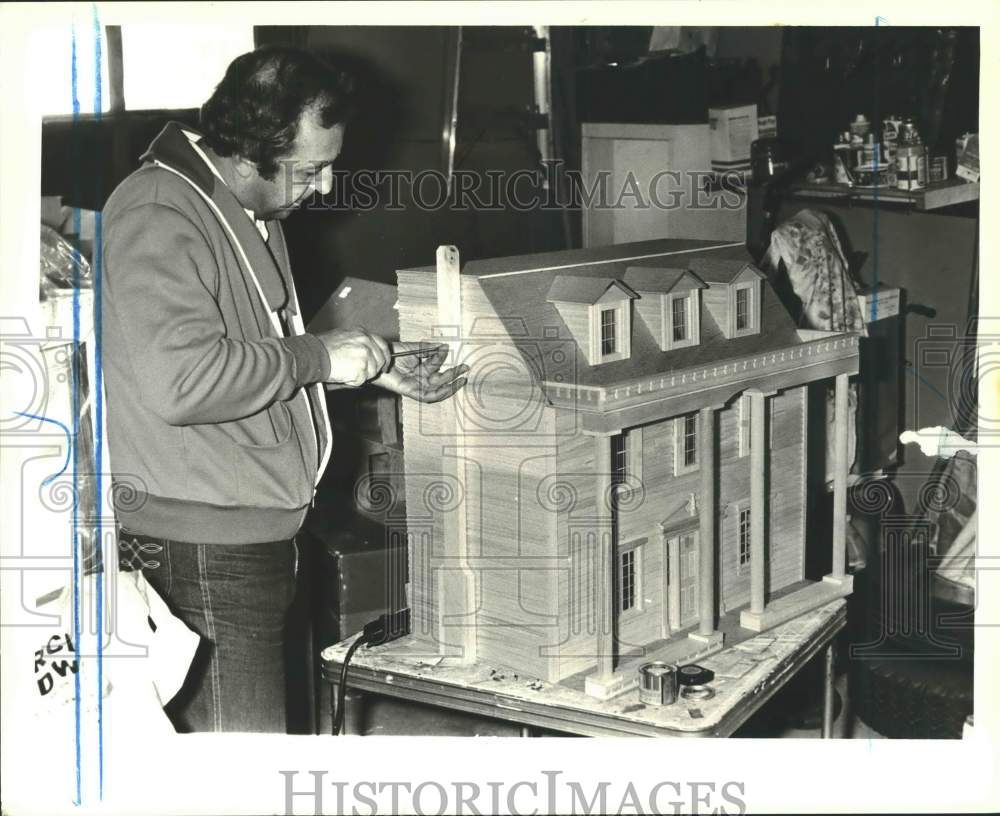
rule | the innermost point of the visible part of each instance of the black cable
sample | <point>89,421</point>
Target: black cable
<point>338,720</point>
<point>385,628</point>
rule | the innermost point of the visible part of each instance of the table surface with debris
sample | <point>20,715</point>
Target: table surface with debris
<point>746,675</point>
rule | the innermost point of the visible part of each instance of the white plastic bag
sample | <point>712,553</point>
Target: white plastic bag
<point>145,654</point>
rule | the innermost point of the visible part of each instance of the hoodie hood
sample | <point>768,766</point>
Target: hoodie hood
<point>172,149</point>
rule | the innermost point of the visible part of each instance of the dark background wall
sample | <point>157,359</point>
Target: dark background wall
<point>404,76</point>
<point>816,79</point>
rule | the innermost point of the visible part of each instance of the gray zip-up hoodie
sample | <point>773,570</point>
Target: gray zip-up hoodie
<point>216,434</point>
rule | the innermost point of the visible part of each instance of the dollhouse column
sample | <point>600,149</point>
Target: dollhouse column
<point>758,445</point>
<point>706,521</point>
<point>604,585</point>
<point>840,465</point>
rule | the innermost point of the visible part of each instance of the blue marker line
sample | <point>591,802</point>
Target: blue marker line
<point>873,316</point>
<point>98,426</point>
<point>51,478</point>
<point>75,399</point>
<point>922,381</point>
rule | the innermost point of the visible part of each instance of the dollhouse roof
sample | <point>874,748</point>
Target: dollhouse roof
<point>722,270</point>
<point>523,294</point>
<point>661,279</point>
<point>577,289</point>
<point>518,289</point>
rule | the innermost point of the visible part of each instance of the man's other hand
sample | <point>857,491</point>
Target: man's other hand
<point>420,377</point>
<point>356,356</point>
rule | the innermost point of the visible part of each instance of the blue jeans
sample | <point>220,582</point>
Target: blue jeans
<point>236,597</point>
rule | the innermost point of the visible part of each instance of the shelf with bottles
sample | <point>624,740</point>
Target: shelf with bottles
<point>932,197</point>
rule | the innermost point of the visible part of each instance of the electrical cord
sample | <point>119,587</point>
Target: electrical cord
<point>338,721</point>
<point>383,629</point>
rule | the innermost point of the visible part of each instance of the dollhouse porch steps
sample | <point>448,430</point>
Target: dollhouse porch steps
<point>796,603</point>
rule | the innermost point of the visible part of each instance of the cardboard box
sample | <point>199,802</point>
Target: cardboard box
<point>886,302</point>
<point>733,129</point>
<point>968,160</point>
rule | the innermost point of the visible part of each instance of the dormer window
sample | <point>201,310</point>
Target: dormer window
<point>744,308</point>
<point>610,328</point>
<point>680,324</point>
<point>669,304</point>
<point>684,318</point>
<point>609,331</point>
<point>734,294</point>
<point>598,313</point>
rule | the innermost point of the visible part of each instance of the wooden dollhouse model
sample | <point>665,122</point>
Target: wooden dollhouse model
<point>626,465</point>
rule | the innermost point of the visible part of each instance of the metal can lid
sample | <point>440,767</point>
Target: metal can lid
<point>698,692</point>
<point>694,675</point>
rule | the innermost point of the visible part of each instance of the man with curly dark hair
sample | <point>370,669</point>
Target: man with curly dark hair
<point>216,407</point>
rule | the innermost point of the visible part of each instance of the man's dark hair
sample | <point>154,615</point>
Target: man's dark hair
<point>254,111</point>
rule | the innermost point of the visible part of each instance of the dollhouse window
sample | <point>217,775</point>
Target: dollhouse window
<point>608,331</point>
<point>679,307</point>
<point>598,313</point>
<point>690,440</point>
<point>681,321</point>
<point>744,536</point>
<point>626,461</point>
<point>628,580</point>
<point>685,443</point>
<point>619,459</point>
<point>743,308</point>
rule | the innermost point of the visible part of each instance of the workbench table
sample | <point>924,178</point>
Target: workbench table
<point>746,676</point>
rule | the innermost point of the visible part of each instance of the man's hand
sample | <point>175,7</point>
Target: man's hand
<point>355,355</point>
<point>419,376</point>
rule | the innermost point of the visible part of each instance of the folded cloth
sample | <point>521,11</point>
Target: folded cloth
<point>808,246</point>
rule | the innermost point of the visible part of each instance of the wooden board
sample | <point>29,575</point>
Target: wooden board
<point>535,467</point>
<point>747,675</point>
<point>932,197</point>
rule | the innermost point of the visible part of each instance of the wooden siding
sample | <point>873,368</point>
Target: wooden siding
<point>649,308</point>
<point>716,300</point>
<point>531,498</point>
<point>576,316</point>
<point>572,493</point>
<point>510,449</point>
<point>783,488</point>
<point>665,498</point>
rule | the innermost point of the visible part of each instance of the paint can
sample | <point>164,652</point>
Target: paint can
<point>658,683</point>
<point>890,135</point>
<point>938,169</point>
<point>869,152</point>
<point>911,159</point>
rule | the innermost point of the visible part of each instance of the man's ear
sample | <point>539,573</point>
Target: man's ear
<point>244,168</point>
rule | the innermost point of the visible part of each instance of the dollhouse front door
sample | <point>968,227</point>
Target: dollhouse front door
<point>688,577</point>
